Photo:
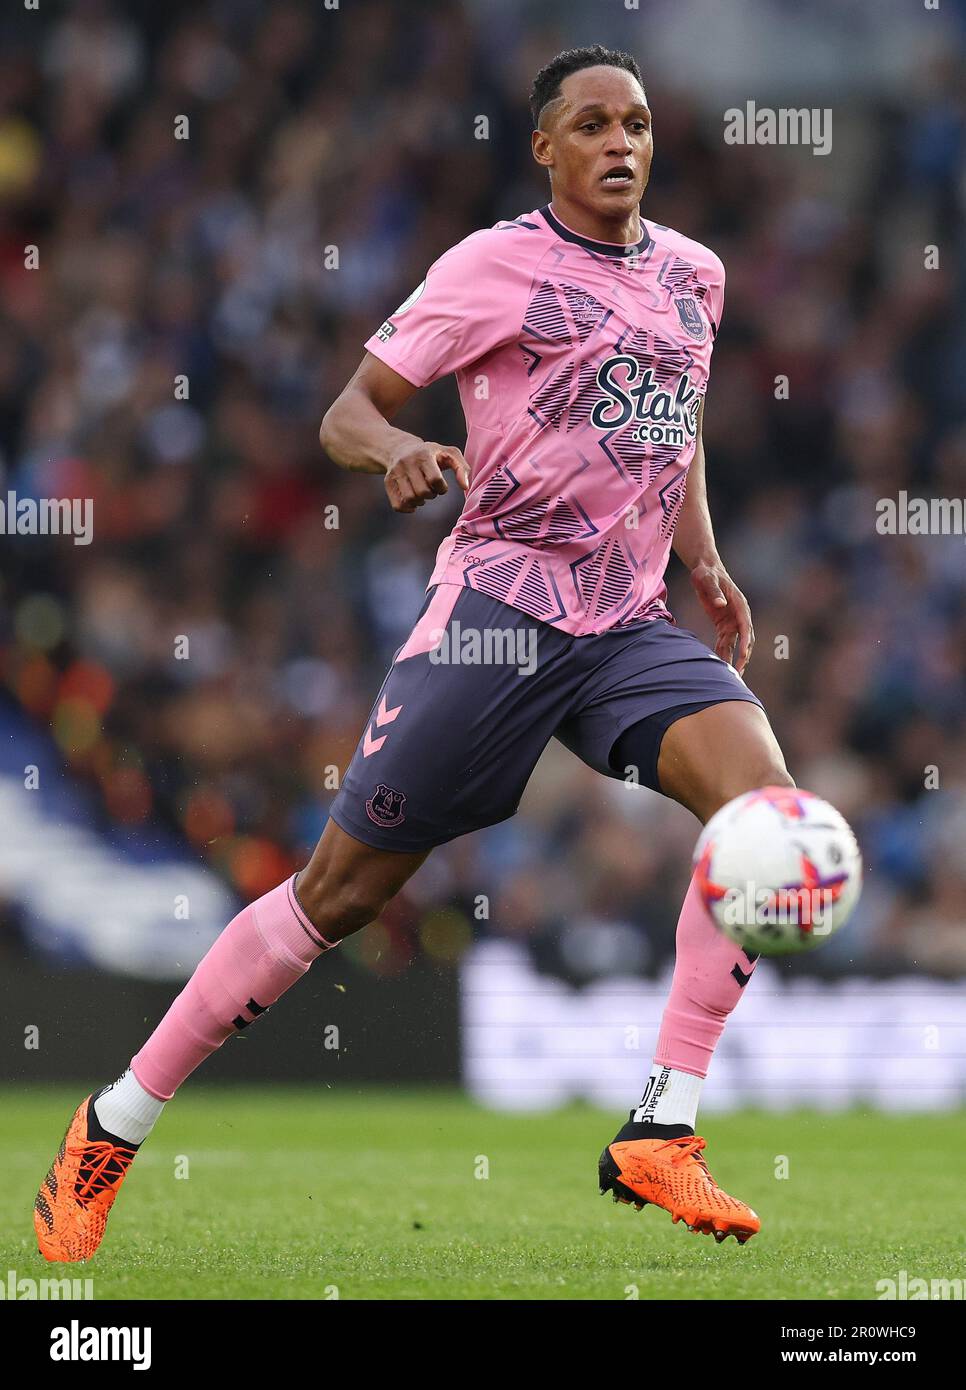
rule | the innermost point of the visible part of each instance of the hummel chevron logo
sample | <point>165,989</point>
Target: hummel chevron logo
<point>371,745</point>
<point>384,716</point>
<point>740,975</point>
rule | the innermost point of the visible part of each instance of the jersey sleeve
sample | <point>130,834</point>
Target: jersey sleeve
<point>466,307</point>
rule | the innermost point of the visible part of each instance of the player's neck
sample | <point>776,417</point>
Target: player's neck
<point>625,230</point>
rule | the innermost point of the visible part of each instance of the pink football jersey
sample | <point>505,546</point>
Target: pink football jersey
<point>581,367</point>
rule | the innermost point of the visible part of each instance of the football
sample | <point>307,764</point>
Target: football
<point>779,870</point>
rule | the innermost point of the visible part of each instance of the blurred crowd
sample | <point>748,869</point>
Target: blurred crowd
<point>226,200</point>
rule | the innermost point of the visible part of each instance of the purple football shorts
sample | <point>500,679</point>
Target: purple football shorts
<point>478,690</point>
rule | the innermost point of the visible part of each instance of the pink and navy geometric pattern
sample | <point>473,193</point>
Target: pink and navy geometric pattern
<point>595,359</point>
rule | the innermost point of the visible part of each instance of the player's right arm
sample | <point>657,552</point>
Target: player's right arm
<point>356,434</point>
<point>471,302</point>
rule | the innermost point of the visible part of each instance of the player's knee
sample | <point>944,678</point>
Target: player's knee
<point>354,906</point>
<point>338,908</point>
<point>768,771</point>
<point>775,774</point>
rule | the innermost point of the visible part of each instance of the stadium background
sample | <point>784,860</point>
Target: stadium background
<point>211,258</point>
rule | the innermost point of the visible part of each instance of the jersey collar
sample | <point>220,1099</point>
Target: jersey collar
<point>600,248</point>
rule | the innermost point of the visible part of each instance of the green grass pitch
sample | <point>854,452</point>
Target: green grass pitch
<point>295,1193</point>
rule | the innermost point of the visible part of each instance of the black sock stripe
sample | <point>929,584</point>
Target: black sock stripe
<point>254,1009</point>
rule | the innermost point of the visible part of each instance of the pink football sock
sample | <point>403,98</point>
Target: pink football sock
<point>710,974</point>
<point>259,955</point>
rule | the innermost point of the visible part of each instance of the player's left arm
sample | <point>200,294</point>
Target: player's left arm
<point>694,545</point>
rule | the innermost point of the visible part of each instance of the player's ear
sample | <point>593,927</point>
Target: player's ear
<point>541,147</point>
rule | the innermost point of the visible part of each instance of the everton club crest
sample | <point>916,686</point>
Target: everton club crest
<point>690,316</point>
<point>385,806</point>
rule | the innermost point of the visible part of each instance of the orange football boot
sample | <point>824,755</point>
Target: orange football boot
<point>72,1206</point>
<point>672,1174</point>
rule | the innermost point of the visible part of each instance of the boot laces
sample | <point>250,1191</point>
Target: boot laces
<point>688,1146</point>
<point>102,1166</point>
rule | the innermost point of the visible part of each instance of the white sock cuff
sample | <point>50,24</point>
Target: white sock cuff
<point>671,1097</point>
<point>127,1109</point>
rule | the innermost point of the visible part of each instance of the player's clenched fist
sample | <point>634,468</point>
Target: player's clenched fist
<point>416,474</point>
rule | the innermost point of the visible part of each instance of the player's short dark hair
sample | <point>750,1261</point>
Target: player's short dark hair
<point>546,84</point>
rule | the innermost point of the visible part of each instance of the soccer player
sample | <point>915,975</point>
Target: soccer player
<point>581,337</point>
